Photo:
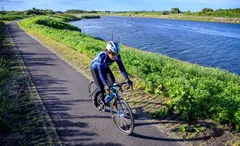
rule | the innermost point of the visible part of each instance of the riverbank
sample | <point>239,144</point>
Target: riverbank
<point>163,84</point>
<point>200,18</point>
<point>172,16</point>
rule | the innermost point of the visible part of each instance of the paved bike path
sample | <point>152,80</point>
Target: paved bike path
<point>64,92</point>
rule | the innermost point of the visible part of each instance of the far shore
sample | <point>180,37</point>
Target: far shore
<point>198,18</point>
<point>175,17</point>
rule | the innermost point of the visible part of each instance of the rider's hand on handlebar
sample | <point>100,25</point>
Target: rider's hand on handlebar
<point>130,83</point>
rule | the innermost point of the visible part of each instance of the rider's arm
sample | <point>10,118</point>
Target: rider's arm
<point>101,59</point>
<point>103,77</point>
<point>121,67</point>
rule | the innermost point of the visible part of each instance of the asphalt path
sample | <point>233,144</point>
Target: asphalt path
<point>64,92</point>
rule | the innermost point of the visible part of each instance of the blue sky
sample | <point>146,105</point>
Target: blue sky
<point>119,5</point>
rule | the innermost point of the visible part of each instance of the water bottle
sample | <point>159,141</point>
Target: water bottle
<point>108,98</point>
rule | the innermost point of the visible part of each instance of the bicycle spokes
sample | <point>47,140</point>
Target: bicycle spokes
<point>122,116</point>
<point>101,104</point>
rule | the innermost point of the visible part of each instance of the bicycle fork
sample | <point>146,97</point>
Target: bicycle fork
<point>120,115</point>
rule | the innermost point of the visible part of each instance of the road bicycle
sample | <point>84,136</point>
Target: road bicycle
<point>121,112</point>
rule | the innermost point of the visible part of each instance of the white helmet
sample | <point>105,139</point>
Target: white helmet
<point>113,47</point>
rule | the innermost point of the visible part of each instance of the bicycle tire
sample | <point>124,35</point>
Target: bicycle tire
<point>117,105</point>
<point>91,88</point>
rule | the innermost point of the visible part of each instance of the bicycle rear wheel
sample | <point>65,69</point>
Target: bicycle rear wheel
<point>91,88</point>
<point>122,116</point>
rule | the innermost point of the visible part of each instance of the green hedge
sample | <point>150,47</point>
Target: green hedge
<point>65,17</point>
<point>50,22</point>
<point>194,92</point>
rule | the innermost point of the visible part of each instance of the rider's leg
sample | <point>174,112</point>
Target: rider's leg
<point>111,79</point>
<point>97,79</point>
<point>110,76</point>
<point>99,84</point>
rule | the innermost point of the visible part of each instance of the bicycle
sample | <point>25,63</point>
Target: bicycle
<point>120,110</point>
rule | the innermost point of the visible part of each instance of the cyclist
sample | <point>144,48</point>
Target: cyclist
<point>101,72</point>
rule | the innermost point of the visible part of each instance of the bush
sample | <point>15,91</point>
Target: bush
<point>50,22</point>
<point>10,17</point>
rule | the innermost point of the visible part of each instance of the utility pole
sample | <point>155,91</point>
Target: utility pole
<point>121,38</point>
<point>112,35</point>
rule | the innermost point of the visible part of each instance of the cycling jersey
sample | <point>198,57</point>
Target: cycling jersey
<point>103,62</point>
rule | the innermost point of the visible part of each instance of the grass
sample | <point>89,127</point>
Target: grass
<point>12,15</point>
<point>165,86</point>
<point>20,121</point>
<point>186,84</point>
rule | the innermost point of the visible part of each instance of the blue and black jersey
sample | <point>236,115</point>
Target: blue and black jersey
<point>102,62</point>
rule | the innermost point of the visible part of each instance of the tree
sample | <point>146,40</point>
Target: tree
<point>75,11</point>
<point>92,12</point>
<point>29,12</point>
<point>165,12</point>
<point>59,12</point>
<point>175,10</point>
<point>48,12</point>
<point>204,10</point>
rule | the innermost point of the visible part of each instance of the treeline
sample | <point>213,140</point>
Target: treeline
<point>30,12</point>
<point>11,15</point>
<point>204,12</point>
<point>40,12</point>
<point>216,13</point>
<point>81,11</point>
<point>14,15</point>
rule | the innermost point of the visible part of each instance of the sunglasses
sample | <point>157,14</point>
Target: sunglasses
<point>114,54</point>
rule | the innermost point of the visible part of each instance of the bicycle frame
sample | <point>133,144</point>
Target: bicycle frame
<point>114,93</point>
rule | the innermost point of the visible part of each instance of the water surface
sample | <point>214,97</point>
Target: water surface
<point>205,43</point>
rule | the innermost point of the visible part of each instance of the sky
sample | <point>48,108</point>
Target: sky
<point>119,5</point>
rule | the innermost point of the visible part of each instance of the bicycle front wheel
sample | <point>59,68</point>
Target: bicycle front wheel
<point>122,116</point>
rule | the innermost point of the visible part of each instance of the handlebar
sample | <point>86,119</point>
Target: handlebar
<point>120,85</point>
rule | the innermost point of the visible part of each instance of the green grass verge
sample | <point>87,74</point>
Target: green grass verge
<point>6,17</point>
<point>194,92</point>
<point>21,122</point>
<point>12,15</point>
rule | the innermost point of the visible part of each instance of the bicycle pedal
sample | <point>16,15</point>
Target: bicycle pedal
<point>102,106</point>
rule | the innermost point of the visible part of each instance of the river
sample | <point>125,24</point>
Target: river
<point>205,43</point>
